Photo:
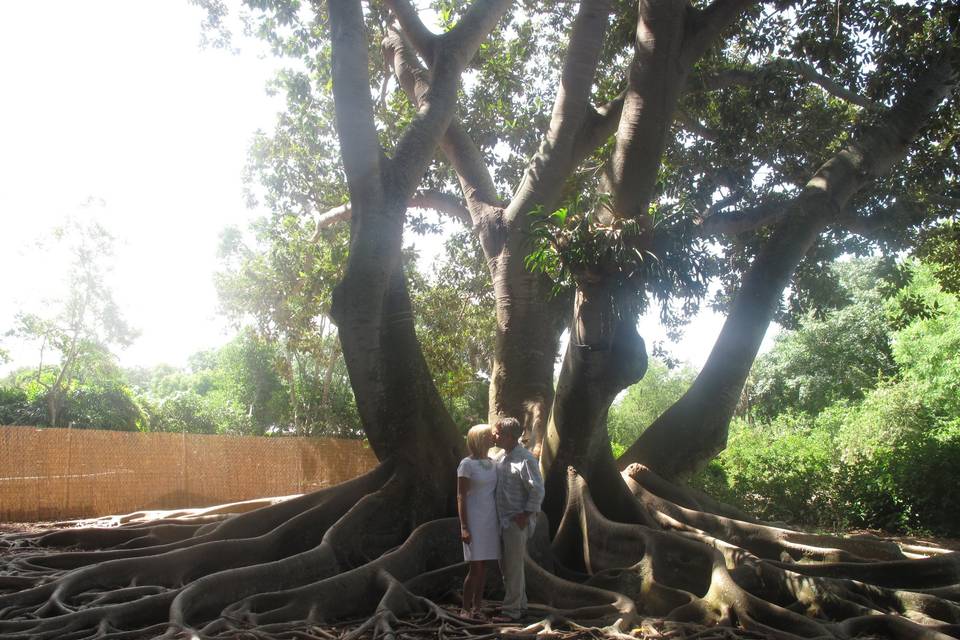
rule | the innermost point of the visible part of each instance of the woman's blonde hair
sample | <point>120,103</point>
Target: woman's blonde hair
<point>479,440</point>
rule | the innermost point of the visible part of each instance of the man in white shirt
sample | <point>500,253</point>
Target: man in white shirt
<point>519,495</point>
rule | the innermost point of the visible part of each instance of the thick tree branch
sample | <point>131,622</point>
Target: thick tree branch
<point>413,77</point>
<point>461,42</point>
<point>564,143</point>
<point>444,203</point>
<point>807,72</point>
<point>871,156</point>
<point>694,429</point>
<point>466,158</point>
<point>656,77</point>
<point>882,146</point>
<point>671,36</point>
<point>904,212</point>
<point>734,222</point>
<point>440,202</point>
<point>753,77</point>
<point>413,28</point>
<point>331,217</point>
<point>689,123</point>
<point>419,141</point>
<point>708,23</point>
<point>946,202</point>
<point>727,78</point>
<point>471,168</point>
<point>354,109</point>
<point>465,38</point>
<point>579,69</point>
<point>600,125</point>
<point>867,224</point>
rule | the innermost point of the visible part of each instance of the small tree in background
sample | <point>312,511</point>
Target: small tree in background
<point>77,333</point>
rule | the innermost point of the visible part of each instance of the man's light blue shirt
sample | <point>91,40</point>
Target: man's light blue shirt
<point>519,484</point>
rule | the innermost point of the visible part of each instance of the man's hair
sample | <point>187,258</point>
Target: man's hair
<point>479,440</point>
<point>511,426</point>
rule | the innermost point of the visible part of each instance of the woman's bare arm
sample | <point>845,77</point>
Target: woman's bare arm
<point>463,488</point>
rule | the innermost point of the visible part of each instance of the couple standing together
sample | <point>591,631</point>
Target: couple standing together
<point>498,500</point>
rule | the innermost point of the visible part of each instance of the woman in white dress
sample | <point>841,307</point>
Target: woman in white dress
<point>476,504</point>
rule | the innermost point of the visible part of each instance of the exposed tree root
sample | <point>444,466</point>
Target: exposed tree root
<point>371,559</point>
<point>710,569</point>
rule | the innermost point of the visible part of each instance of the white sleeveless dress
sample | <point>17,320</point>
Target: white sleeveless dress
<point>481,507</point>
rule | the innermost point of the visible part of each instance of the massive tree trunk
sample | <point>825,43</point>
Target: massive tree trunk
<point>529,326</point>
<point>528,329</point>
<point>402,413</point>
<point>604,356</point>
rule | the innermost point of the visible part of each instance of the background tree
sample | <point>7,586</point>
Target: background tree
<point>234,390</point>
<point>834,354</point>
<point>456,323</point>
<point>280,288</point>
<point>644,401</point>
<point>76,334</point>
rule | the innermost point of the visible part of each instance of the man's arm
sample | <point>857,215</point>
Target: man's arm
<point>534,481</point>
<point>530,475</point>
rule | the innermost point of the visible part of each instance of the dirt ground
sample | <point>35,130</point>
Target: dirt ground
<point>24,527</point>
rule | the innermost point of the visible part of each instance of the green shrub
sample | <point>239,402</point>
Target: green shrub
<point>886,463</point>
<point>780,471</point>
<point>17,407</point>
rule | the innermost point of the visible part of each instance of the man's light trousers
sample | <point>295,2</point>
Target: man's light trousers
<point>513,551</point>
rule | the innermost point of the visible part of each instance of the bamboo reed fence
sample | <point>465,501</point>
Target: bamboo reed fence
<point>57,474</point>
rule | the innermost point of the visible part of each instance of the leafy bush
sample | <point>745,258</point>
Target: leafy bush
<point>17,407</point>
<point>779,471</point>
<point>888,462</point>
<point>107,405</point>
<point>190,412</point>
<point>103,404</point>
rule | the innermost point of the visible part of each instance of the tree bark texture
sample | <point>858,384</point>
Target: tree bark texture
<point>605,355</point>
<point>402,413</point>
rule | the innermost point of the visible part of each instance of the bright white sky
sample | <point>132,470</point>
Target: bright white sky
<point>113,102</point>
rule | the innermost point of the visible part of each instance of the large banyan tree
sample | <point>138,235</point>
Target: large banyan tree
<point>608,156</point>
